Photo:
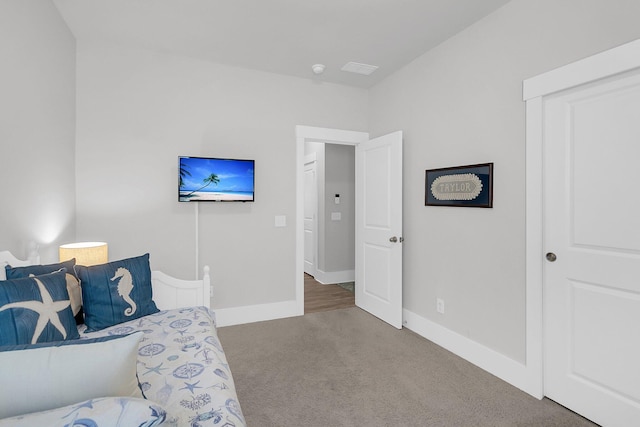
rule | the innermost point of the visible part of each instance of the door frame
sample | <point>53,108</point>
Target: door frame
<point>312,134</point>
<point>600,66</point>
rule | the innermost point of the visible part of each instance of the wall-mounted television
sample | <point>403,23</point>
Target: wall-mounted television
<point>209,179</point>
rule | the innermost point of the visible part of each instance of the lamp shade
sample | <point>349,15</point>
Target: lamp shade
<point>85,253</point>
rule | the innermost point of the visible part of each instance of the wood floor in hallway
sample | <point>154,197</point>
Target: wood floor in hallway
<point>319,297</point>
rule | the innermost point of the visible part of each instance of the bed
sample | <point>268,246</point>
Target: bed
<point>165,366</point>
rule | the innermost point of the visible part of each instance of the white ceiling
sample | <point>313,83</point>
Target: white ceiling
<point>280,36</point>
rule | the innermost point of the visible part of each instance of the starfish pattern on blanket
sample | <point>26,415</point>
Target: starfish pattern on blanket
<point>47,310</point>
<point>155,369</point>
<point>191,387</point>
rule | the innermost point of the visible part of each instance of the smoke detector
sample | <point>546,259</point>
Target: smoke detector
<point>318,68</point>
<point>358,68</point>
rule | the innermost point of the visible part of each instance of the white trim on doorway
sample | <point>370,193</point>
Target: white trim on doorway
<point>312,134</point>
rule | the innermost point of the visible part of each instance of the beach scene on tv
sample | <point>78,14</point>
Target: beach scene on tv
<point>216,180</point>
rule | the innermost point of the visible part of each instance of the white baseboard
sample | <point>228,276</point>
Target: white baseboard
<point>509,370</point>
<point>256,313</point>
<point>330,277</point>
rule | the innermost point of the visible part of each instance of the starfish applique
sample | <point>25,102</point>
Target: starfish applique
<point>47,310</point>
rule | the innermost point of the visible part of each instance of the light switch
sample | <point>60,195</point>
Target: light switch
<point>281,221</point>
<point>336,216</point>
<point>337,199</point>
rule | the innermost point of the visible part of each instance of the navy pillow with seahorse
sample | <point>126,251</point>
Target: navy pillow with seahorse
<point>116,292</point>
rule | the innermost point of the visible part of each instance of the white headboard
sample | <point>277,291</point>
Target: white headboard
<point>168,292</point>
<point>6,258</point>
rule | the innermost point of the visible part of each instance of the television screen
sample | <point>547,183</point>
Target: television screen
<point>203,179</point>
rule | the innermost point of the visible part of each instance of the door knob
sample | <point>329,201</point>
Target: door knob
<point>551,257</point>
<point>393,239</point>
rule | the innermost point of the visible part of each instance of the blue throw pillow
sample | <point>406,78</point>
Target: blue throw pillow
<point>73,287</point>
<point>36,309</point>
<point>116,292</point>
<point>38,270</point>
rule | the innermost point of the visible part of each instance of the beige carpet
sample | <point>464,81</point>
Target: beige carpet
<point>347,368</point>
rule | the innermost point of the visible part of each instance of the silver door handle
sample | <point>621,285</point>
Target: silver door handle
<point>551,257</point>
<point>393,239</point>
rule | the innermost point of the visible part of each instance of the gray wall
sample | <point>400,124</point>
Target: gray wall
<point>37,128</point>
<point>339,178</point>
<point>139,110</point>
<point>461,103</point>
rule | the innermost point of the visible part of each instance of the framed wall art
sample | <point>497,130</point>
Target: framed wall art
<point>467,186</point>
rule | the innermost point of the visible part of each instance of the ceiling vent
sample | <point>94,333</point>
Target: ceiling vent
<point>355,67</point>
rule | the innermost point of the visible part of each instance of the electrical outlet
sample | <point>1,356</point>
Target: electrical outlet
<point>440,305</point>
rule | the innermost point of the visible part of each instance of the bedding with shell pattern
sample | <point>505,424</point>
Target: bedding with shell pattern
<point>182,367</point>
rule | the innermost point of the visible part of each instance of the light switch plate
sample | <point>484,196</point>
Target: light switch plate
<point>281,221</point>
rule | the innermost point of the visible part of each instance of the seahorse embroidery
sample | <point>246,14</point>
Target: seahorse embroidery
<point>125,286</point>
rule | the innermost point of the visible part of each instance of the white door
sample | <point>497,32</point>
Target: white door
<point>310,215</point>
<point>592,230</point>
<point>379,227</point>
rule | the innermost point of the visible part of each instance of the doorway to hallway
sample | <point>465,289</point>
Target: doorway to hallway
<point>319,297</point>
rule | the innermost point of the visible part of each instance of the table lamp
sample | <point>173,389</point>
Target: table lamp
<point>85,253</point>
